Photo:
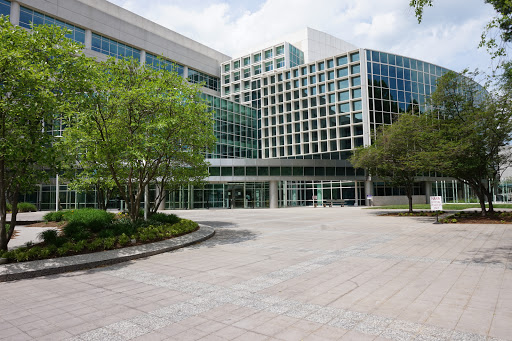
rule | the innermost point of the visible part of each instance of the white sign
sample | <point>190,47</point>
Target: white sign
<point>436,203</point>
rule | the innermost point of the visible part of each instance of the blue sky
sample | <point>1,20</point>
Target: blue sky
<point>448,36</point>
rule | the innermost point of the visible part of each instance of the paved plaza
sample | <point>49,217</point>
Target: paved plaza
<point>285,274</point>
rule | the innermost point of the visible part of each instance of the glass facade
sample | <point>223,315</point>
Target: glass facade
<point>235,127</point>
<point>28,16</point>
<point>158,63</point>
<point>113,48</point>
<point>5,7</point>
<point>398,84</point>
<point>210,82</point>
<point>296,56</point>
<point>304,112</point>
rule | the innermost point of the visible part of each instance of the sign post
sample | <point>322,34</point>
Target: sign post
<point>436,204</point>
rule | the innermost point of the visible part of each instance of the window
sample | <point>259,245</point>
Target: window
<point>343,84</point>
<point>321,66</point>
<point>226,68</point>
<point>356,93</point>
<point>280,63</point>
<point>341,60</point>
<point>226,79</point>
<point>5,7</point>
<point>236,76</point>
<point>330,63</point>
<point>279,50</point>
<point>354,57</point>
<point>357,105</point>
<point>28,16</point>
<point>269,66</point>
<point>257,57</point>
<point>257,69</point>
<point>158,63</point>
<point>247,61</point>
<point>113,48</point>
<point>342,72</point>
<point>210,82</point>
<point>247,73</point>
<point>356,81</point>
<point>343,96</point>
<point>312,79</point>
<point>355,69</point>
<point>268,54</point>
<point>236,64</point>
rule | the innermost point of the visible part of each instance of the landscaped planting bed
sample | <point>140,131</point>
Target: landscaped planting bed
<point>91,230</point>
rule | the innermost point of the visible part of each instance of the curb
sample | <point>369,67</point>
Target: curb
<point>52,266</point>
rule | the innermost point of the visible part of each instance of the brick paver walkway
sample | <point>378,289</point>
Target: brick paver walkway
<point>286,274</point>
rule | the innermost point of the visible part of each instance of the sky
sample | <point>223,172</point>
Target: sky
<point>448,35</point>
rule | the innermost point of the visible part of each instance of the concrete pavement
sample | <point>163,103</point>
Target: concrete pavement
<point>285,274</point>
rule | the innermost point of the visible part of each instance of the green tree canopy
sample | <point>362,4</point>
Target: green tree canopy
<point>474,129</point>
<point>141,127</point>
<point>41,72</point>
<point>397,153</point>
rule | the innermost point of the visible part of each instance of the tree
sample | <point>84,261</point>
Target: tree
<point>41,71</point>
<point>396,154</point>
<point>502,21</point>
<point>143,127</point>
<point>474,127</point>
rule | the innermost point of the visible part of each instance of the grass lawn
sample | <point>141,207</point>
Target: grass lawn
<point>450,207</point>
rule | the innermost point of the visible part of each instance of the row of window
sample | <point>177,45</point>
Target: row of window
<point>225,151</point>
<point>315,150</point>
<point>113,48</point>
<point>159,63</point>
<point>312,113</point>
<point>256,57</point>
<point>409,63</point>
<point>285,171</point>
<point>29,16</point>
<point>210,82</point>
<point>314,134</point>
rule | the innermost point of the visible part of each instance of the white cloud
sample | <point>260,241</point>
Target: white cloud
<point>448,35</point>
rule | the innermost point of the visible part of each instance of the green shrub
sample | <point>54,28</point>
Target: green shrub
<point>76,231</point>
<point>124,240</point>
<point>109,243</point>
<point>49,237</point>
<point>91,219</point>
<point>165,218</point>
<point>54,216</point>
<point>34,253</point>
<point>26,207</point>
<point>9,207</point>
<point>95,244</point>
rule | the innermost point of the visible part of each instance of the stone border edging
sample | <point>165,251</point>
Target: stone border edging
<point>52,266</point>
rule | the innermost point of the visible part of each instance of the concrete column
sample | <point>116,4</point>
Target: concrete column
<point>146,202</point>
<point>88,39</point>
<point>185,72</point>
<point>368,190</point>
<point>57,192</point>
<point>142,57</point>
<point>356,203</point>
<point>428,191</point>
<point>285,193</point>
<point>274,196</point>
<point>14,16</point>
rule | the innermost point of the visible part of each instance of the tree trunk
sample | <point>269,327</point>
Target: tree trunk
<point>481,198</point>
